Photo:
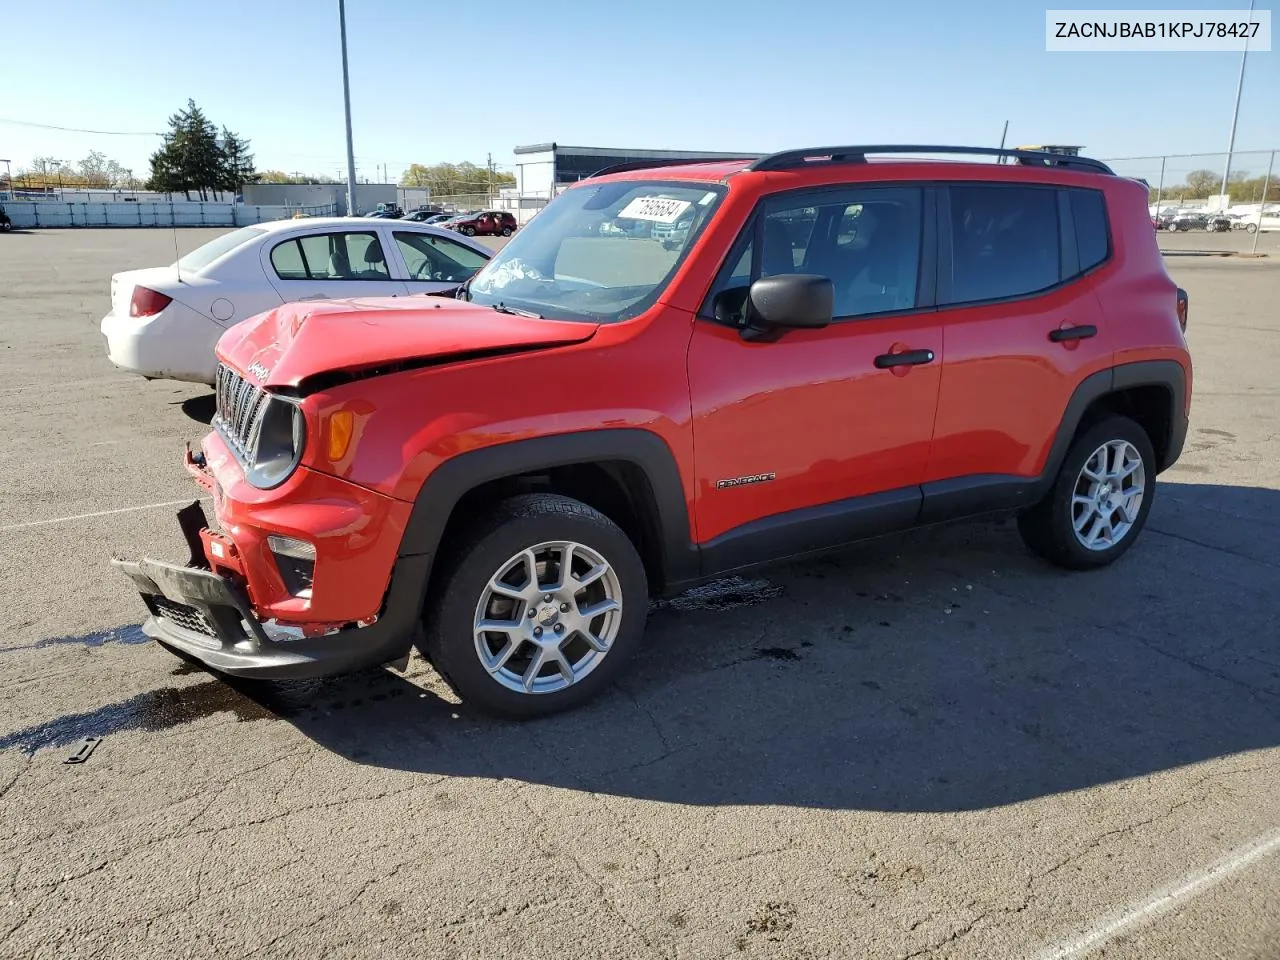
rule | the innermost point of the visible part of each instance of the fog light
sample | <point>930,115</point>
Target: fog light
<point>296,560</point>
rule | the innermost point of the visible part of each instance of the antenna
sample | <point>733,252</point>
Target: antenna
<point>1002,139</point>
<point>173,225</point>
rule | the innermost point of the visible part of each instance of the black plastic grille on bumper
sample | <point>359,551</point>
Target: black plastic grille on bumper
<point>181,615</point>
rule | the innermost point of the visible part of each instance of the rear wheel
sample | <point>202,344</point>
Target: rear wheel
<point>1251,228</point>
<point>538,608</point>
<point>506,231</point>
<point>469,231</point>
<point>1100,500</point>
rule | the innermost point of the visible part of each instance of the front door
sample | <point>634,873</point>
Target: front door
<point>434,264</point>
<point>820,436</point>
<point>336,264</point>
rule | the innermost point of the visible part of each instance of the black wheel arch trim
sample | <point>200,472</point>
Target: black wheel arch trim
<point>455,477</point>
<point>1140,373</point>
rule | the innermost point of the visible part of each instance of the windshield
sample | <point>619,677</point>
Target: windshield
<point>602,252</point>
<point>201,257</point>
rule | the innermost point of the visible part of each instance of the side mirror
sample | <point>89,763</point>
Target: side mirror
<point>788,301</point>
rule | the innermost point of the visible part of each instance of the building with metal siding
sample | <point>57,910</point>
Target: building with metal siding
<point>542,167</point>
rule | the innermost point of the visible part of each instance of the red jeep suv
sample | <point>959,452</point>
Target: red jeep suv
<point>845,342</point>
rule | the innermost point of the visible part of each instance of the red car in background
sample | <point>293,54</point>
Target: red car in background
<point>489,223</point>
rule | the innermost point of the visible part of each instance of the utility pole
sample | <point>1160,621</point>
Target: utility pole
<point>1231,142</point>
<point>489,165</point>
<point>346,100</point>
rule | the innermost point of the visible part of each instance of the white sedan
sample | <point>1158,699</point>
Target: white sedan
<point>165,321</point>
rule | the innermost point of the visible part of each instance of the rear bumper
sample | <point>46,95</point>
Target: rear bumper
<point>208,617</point>
<point>176,344</point>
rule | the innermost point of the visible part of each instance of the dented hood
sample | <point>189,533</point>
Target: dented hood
<point>286,346</point>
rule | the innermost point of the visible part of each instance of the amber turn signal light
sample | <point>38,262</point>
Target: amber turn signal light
<point>341,427</point>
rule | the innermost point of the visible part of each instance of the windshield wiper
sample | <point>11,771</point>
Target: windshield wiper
<point>503,308</point>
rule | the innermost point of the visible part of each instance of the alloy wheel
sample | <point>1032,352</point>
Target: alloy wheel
<point>548,617</point>
<point>1108,493</point>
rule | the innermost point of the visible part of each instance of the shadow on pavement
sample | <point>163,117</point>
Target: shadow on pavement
<point>942,671</point>
<point>200,409</point>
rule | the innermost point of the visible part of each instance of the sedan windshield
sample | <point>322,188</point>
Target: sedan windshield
<point>602,252</point>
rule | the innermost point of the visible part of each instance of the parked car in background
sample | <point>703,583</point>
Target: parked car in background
<point>5,223</point>
<point>389,211</point>
<point>424,215</point>
<point>165,321</point>
<point>489,223</point>
<point>439,219</point>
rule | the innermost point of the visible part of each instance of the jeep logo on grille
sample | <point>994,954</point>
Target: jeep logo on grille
<point>259,371</point>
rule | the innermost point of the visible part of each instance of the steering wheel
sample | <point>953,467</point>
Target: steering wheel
<point>423,272</point>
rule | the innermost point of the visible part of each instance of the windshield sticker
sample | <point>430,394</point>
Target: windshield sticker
<point>707,198</point>
<point>656,209</point>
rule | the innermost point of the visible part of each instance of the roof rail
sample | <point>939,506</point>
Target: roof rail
<point>789,159</point>
<point>666,162</point>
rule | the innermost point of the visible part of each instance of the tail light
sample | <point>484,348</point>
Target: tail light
<point>1183,306</point>
<point>147,303</point>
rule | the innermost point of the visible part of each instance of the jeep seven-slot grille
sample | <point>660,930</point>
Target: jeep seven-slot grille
<point>240,406</point>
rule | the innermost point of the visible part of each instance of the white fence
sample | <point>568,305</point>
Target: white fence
<point>49,213</point>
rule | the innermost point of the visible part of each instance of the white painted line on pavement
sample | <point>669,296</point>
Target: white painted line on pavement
<point>99,513</point>
<point>1164,899</point>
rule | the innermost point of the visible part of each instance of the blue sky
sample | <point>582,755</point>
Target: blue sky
<point>431,83</point>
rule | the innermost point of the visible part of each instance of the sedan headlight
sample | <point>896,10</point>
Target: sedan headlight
<point>276,442</point>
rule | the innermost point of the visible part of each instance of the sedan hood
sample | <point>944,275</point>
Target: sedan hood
<point>297,341</point>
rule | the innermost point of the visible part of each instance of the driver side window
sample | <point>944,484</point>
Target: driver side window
<point>865,241</point>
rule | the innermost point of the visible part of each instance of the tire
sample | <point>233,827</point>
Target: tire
<point>469,231</point>
<point>1251,228</point>
<point>506,231</point>
<point>1172,228</point>
<point>6,226</point>
<point>1048,528</point>
<point>463,594</point>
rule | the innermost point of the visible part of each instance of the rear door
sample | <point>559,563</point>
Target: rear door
<point>333,264</point>
<point>1018,264</point>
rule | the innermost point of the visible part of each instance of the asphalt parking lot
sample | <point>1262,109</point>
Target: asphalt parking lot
<point>934,746</point>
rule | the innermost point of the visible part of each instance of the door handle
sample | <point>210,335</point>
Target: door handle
<point>1082,332</point>
<point>908,358</point>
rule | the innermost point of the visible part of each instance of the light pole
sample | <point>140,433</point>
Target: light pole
<point>1231,142</point>
<point>346,99</point>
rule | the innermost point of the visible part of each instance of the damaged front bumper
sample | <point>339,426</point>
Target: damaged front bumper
<point>207,616</point>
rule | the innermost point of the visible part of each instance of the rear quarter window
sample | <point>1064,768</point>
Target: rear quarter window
<point>1093,236</point>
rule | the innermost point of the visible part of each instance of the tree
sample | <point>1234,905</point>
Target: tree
<point>237,162</point>
<point>455,179</point>
<point>190,157</point>
<point>1203,183</point>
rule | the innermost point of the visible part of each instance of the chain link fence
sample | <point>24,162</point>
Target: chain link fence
<point>1193,214</point>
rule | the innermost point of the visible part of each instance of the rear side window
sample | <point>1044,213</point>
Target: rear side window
<point>1088,210</point>
<point>331,256</point>
<point>1004,241</point>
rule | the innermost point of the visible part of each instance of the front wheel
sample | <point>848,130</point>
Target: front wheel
<point>469,231</point>
<point>1100,500</point>
<point>506,231</point>
<point>538,607</point>
<point>1251,228</point>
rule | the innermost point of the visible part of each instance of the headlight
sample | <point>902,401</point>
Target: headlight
<point>276,443</point>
